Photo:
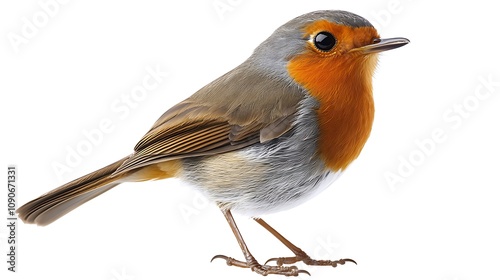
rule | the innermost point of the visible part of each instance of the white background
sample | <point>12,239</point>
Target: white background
<point>440,222</point>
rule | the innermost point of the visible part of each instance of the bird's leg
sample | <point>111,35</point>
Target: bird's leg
<point>299,254</point>
<point>251,262</point>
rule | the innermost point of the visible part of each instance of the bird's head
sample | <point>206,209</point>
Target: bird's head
<point>323,49</point>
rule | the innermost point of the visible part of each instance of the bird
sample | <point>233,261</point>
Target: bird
<point>266,136</point>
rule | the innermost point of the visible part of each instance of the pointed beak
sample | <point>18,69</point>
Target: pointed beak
<point>381,45</point>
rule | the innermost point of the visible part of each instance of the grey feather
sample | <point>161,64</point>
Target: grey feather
<point>265,177</point>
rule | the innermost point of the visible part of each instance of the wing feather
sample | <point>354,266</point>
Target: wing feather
<point>220,117</point>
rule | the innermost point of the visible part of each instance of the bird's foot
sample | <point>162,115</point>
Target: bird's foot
<point>303,257</point>
<point>262,269</point>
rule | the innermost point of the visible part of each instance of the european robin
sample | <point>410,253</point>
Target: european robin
<point>264,137</point>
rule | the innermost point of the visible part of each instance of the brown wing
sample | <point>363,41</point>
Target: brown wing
<point>239,109</point>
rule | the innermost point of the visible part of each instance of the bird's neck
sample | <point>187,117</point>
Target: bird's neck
<point>346,109</point>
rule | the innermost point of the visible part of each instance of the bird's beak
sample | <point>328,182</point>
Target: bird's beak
<point>380,45</point>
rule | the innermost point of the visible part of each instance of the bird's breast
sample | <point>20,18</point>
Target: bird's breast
<point>343,88</point>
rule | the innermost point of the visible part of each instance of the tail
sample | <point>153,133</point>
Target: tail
<point>56,203</point>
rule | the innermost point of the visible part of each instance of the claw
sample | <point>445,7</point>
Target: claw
<point>343,261</point>
<point>350,260</point>
<point>219,257</point>
<point>272,260</point>
<point>303,271</point>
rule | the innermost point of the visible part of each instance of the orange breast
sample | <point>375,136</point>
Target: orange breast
<point>343,87</point>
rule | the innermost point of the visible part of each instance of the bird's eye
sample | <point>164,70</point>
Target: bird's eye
<point>324,41</point>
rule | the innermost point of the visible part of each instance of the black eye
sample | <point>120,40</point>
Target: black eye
<point>324,41</point>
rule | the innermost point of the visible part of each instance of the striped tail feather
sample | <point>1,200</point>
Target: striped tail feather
<point>58,202</point>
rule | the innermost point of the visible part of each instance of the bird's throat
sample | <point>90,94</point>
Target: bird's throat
<point>344,90</point>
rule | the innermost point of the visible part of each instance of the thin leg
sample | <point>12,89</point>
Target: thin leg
<point>251,262</point>
<point>299,254</point>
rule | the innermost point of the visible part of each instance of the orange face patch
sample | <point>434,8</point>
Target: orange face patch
<point>342,83</point>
